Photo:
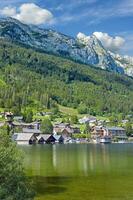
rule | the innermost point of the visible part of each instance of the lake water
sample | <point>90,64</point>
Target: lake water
<point>81,171</point>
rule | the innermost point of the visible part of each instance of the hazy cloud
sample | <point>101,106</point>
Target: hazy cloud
<point>8,11</point>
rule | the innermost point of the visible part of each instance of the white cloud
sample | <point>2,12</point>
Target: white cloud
<point>111,43</point>
<point>8,11</point>
<point>82,37</point>
<point>29,13</point>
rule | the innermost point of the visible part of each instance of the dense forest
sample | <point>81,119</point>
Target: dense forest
<point>31,79</point>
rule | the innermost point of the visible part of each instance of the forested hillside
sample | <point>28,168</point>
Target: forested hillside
<point>37,80</point>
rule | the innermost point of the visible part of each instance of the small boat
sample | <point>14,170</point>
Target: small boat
<point>121,141</point>
<point>105,140</point>
<point>66,141</point>
<point>70,141</point>
<point>77,141</point>
<point>96,140</point>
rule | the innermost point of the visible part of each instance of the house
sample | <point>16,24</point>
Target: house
<point>65,129</point>
<point>59,139</point>
<point>98,131</point>
<point>115,131</point>
<point>31,130</point>
<point>16,124</point>
<point>24,138</point>
<point>33,125</point>
<point>62,125</point>
<point>125,121</point>
<point>100,135</point>
<point>18,118</point>
<point>40,139</point>
<point>76,130</point>
<point>108,131</point>
<point>67,132</point>
<point>8,116</point>
<point>49,139</point>
<point>90,120</point>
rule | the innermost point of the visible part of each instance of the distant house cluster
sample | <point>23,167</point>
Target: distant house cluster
<point>31,133</point>
<point>108,134</point>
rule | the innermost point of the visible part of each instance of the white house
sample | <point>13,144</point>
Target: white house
<point>24,138</point>
<point>115,131</point>
<point>90,120</point>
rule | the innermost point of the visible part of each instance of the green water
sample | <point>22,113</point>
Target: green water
<point>81,171</point>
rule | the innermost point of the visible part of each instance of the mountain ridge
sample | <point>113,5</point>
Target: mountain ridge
<point>50,41</point>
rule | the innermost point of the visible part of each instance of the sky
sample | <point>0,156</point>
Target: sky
<point>110,20</point>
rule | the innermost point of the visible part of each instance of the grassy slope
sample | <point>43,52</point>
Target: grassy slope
<point>67,110</point>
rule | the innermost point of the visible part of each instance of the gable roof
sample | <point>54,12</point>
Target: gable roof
<point>69,130</point>
<point>58,137</point>
<point>45,136</point>
<point>22,136</point>
<point>40,136</point>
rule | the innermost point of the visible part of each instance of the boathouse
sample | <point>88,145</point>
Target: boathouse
<point>24,138</point>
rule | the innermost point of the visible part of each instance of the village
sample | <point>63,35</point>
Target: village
<point>87,130</point>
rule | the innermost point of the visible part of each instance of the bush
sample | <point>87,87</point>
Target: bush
<point>82,109</point>
<point>46,126</point>
<point>13,183</point>
<point>74,119</point>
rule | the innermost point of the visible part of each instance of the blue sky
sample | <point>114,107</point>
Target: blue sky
<point>114,17</point>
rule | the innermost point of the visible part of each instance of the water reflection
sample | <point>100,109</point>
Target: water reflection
<point>97,172</point>
<point>74,160</point>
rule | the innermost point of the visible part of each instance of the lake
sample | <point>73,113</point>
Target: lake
<point>81,171</point>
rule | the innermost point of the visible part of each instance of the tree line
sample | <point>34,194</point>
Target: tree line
<point>30,81</point>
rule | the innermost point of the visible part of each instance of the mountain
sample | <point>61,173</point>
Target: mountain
<point>36,73</point>
<point>126,62</point>
<point>31,80</point>
<point>97,55</point>
<point>91,52</point>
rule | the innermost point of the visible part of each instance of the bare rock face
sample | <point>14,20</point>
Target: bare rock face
<point>89,52</point>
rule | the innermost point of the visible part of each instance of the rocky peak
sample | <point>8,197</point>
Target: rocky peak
<point>88,50</point>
